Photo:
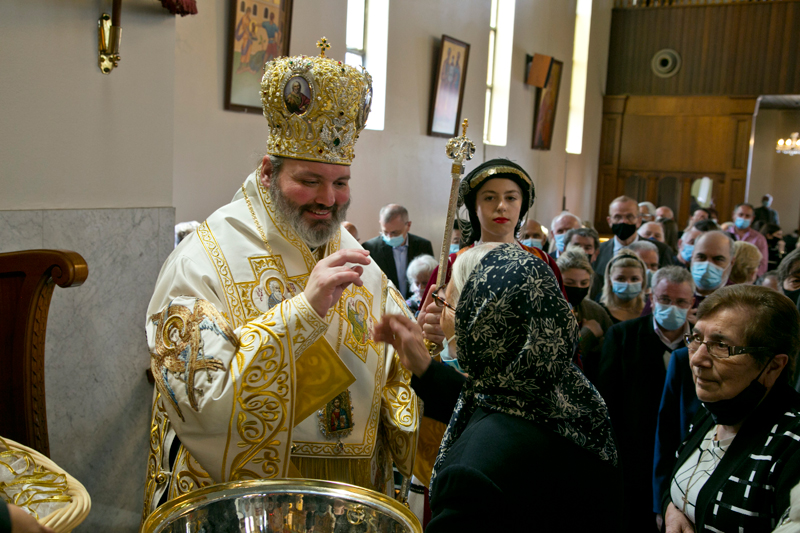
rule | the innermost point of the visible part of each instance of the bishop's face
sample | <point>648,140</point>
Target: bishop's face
<point>312,197</point>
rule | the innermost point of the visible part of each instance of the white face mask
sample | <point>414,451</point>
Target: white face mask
<point>448,359</point>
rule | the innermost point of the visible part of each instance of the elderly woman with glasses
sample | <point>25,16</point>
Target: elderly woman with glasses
<point>529,444</point>
<point>741,456</point>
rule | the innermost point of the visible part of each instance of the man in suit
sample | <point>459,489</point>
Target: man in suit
<point>395,247</point>
<point>633,365</point>
<point>765,214</point>
<point>624,219</point>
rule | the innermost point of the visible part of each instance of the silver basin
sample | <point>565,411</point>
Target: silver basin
<point>282,506</point>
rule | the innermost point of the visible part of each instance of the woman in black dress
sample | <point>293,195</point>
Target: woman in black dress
<point>529,444</point>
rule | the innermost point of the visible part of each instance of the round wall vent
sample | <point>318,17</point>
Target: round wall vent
<point>666,63</point>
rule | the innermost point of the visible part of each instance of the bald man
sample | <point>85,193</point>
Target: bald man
<point>532,234</point>
<point>624,219</point>
<point>665,212</point>
<point>652,230</point>
<point>560,225</point>
<point>351,229</point>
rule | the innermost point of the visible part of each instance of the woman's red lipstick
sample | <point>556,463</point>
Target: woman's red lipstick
<point>501,220</point>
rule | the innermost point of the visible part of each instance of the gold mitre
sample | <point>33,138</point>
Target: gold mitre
<point>315,107</point>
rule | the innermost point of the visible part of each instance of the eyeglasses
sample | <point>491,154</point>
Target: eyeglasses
<point>719,350</point>
<point>441,302</point>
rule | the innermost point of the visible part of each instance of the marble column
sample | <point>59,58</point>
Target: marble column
<point>98,398</point>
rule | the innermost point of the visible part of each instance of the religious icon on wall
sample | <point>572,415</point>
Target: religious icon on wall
<point>544,116</point>
<point>259,33</point>
<point>448,88</point>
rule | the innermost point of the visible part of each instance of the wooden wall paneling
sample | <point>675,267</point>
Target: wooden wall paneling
<point>791,37</point>
<point>742,126</point>
<point>742,48</point>
<point>686,201</point>
<point>772,77</point>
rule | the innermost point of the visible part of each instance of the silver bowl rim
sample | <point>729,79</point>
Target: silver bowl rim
<point>190,501</point>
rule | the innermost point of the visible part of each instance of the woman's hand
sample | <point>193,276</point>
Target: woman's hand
<point>594,326</point>
<point>428,319</point>
<point>22,522</point>
<point>676,521</point>
<point>406,337</point>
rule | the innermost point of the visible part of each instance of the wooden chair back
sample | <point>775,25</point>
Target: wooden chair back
<point>27,280</point>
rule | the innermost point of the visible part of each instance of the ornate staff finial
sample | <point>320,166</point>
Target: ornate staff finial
<point>323,45</point>
<point>464,125</point>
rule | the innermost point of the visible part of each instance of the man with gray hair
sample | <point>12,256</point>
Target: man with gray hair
<point>395,248</point>
<point>648,211</point>
<point>559,227</point>
<point>631,377</point>
<point>589,241</point>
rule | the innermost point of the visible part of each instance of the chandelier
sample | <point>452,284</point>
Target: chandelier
<point>789,146</point>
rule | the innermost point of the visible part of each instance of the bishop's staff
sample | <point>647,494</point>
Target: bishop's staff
<point>458,149</point>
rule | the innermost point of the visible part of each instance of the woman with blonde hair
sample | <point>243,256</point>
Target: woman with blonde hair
<point>623,291</point>
<point>746,260</point>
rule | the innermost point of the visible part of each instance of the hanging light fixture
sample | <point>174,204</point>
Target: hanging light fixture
<point>790,146</point>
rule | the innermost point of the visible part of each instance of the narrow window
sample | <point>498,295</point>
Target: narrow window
<point>580,65</point>
<point>367,46</point>
<point>498,72</point>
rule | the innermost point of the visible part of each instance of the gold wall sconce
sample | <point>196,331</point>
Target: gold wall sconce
<point>109,33</point>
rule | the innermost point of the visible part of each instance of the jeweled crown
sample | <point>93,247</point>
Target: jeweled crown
<point>315,107</point>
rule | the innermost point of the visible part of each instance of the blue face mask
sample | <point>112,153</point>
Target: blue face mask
<point>560,242</point>
<point>626,291</point>
<point>533,243</point>
<point>454,248</point>
<point>742,223</point>
<point>670,317</point>
<point>448,359</point>
<point>394,242</point>
<point>707,275</point>
<point>687,251</point>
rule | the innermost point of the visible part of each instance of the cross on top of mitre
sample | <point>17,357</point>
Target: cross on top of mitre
<point>323,45</point>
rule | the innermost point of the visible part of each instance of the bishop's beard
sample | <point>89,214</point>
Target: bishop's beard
<point>314,233</point>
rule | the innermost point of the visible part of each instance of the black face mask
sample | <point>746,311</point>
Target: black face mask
<point>623,231</point>
<point>731,412</point>
<point>575,295</point>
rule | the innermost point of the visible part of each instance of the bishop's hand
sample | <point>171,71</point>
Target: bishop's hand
<point>332,276</point>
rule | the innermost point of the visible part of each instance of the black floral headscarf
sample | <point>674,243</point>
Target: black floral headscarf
<point>515,338</point>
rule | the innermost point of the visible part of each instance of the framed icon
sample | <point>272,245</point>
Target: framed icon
<point>259,32</point>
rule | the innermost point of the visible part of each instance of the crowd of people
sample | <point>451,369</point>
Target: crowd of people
<point>686,336</point>
<point>553,378</point>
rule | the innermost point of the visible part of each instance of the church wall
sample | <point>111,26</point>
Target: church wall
<point>773,173</point>
<point>86,164</point>
<point>216,149</point>
<point>71,137</point>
